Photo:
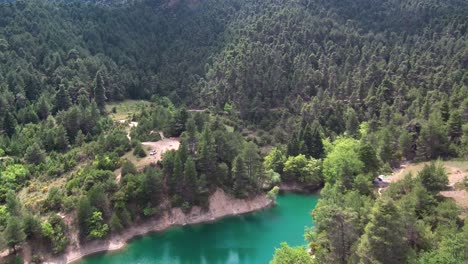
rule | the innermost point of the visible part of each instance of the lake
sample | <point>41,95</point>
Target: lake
<point>245,239</point>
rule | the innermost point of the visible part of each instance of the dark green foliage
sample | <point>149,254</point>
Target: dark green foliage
<point>32,226</point>
<point>384,237</point>
<point>432,142</point>
<point>139,151</point>
<point>128,168</point>
<point>98,199</point>
<point>206,154</point>
<point>62,99</point>
<point>14,232</point>
<point>34,154</point>
<point>313,141</point>
<point>117,141</point>
<point>100,91</point>
<point>454,128</point>
<point>61,139</point>
<point>54,199</point>
<point>116,223</point>
<point>239,175</point>
<point>434,177</point>
<point>190,181</point>
<point>368,156</point>
<point>43,108</point>
<point>9,124</point>
<point>85,212</point>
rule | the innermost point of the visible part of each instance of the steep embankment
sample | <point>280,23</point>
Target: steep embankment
<point>221,205</point>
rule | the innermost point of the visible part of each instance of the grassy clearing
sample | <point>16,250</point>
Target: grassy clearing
<point>38,189</point>
<point>460,164</point>
<point>415,168</point>
<point>125,109</point>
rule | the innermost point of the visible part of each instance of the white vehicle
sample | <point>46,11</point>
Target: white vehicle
<point>153,152</point>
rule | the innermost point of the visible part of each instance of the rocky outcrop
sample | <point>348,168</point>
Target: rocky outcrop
<point>298,187</point>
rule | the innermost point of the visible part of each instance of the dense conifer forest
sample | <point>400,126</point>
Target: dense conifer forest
<point>321,93</point>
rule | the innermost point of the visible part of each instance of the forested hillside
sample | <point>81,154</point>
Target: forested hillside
<point>313,92</point>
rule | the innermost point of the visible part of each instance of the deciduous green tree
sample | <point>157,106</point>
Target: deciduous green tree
<point>291,255</point>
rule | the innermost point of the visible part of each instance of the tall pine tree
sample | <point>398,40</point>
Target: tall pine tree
<point>384,238</point>
<point>100,92</point>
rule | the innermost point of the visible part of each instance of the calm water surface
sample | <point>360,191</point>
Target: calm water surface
<point>246,239</point>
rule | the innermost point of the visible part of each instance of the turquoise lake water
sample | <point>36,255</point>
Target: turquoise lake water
<point>245,239</point>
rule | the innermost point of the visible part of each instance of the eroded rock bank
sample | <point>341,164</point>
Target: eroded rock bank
<point>221,205</point>
<point>295,187</point>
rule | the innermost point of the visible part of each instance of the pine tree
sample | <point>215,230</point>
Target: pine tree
<point>178,175</point>
<point>239,177</point>
<point>61,139</point>
<point>368,156</point>
<point>13,204</point>
<point>191,135</point>
<point>454,128</point>
<point>100,92</point>
<point>62,99</point>
<point>34,154</point>
<point>116,223</point>
<point>153,186</point>
<point>190,181</point>
<point>9,124</point>
<point>85,212</point>
<point>179,121</point>
<point>183,151</point>
<point>43,109</point>
<point>432,141</point>
<point>352,122</point>
<point>445,111</point>
<point>384,239</point>
<point>207,155</point>
<point>434,177</point>
<point>14,233</point>
<point>342,233</point>
<point>316,149</point>
<point>80,138</point>
<point>294,145</point>
<point>252,161</point>
<point>139,151</point>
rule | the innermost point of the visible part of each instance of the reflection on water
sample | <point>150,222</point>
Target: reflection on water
<point>246,239</point>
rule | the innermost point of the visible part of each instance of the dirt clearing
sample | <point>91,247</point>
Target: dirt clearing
<point>456,172</point>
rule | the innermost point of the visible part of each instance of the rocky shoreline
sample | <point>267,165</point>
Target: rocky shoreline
<point>221,205</point>
<point>295,187</point>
